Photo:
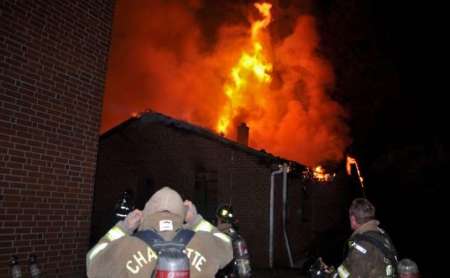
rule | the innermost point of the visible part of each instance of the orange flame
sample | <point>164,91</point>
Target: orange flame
<point>264,9</point>
<point>276,83</point>
<point>251,67</point>
<point>348,166</point>
<point>321,175</point>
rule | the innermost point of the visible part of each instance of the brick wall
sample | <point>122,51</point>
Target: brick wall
<point>52,69</point>
<point>156,155</point>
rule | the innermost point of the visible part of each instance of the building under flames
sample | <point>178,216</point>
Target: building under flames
<point>151,150</point>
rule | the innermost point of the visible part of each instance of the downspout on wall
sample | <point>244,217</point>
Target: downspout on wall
<point>271,206</point>
<point>284,169</point>
<point>286,239</point>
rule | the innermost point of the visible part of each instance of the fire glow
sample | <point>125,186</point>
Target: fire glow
<point>277,84</point>
<point>252,67</point>
<point>321,175</point>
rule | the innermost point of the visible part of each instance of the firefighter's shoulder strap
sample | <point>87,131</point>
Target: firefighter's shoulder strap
<point>381,241</point>
<point>183,237</point>
<point>157,242</point>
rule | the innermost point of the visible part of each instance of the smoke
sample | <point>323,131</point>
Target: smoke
<point>175,56</point>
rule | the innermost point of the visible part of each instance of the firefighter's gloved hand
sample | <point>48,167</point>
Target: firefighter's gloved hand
<point>325,267</point>
<point>132,221</point>
<point>191,212</point>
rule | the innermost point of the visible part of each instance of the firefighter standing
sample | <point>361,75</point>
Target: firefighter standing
<point>240,266</point>
<point>119,254</point>
<point>370,250</point>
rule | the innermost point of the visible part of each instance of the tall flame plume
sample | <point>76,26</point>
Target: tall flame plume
<point>278,87</point>
<point>251,67</point>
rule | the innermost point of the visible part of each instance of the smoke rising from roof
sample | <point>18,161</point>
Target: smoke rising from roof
<point>175,56</point>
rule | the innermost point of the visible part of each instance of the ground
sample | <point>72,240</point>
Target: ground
<point>278,273</point>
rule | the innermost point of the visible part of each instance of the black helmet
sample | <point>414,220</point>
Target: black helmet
<point>124,205</point>
<point>225,213</point>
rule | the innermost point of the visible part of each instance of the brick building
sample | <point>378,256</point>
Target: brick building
<point>151,150</point>
<point>52,69</point>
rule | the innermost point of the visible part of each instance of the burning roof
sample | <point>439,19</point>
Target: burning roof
<point>155,117</point>
<point>277,83</point>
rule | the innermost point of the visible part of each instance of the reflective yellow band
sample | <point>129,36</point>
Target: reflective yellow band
<point>96,249</point>
<point>204,226</point>
<point>360,248</point>
<point>223,237</point>
<point>115,233</point>
<point>343,272</point>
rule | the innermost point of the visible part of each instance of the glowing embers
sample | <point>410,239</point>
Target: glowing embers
<point>319,174</point>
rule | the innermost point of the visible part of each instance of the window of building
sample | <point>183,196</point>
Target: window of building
<point>205,194</point>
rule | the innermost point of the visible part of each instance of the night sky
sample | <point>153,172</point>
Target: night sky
<point>389,64</point>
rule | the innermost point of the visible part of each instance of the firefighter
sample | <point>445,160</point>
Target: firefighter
<point>226,220</point>
<point>370,250</point>
<point>226,223</point>
<point>120,254</point>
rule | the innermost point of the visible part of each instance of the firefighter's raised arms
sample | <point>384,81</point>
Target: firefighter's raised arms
<point>123,253</point>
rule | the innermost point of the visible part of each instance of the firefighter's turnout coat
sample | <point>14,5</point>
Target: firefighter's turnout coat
<point>119,254</point>
<point>370,254</point>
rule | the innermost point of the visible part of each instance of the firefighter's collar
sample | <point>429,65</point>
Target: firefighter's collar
<point>153,221</point>
<point>371,225</point>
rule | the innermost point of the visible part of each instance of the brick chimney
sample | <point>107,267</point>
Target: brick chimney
<point>242,134</point>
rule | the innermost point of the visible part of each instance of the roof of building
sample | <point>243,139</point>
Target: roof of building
<point>155,117</point>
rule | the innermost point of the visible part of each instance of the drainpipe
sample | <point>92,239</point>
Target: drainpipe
<point>271,204</point>
<point>286,239</point>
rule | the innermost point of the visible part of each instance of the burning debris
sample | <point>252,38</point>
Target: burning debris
<point>318,174</point>
<point>348,166</point>
<point>322,176</point>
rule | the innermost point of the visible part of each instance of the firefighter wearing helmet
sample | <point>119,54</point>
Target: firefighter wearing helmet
<point>123,253</point>
<point>226,223</point>
<point>225,215</point>
<point>370,252</point>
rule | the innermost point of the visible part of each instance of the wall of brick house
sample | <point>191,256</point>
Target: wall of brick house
<point>52,69</point>
<point>156,155</point>
<point>326,213</point>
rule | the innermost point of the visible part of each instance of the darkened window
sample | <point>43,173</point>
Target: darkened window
<point>205,195</point>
